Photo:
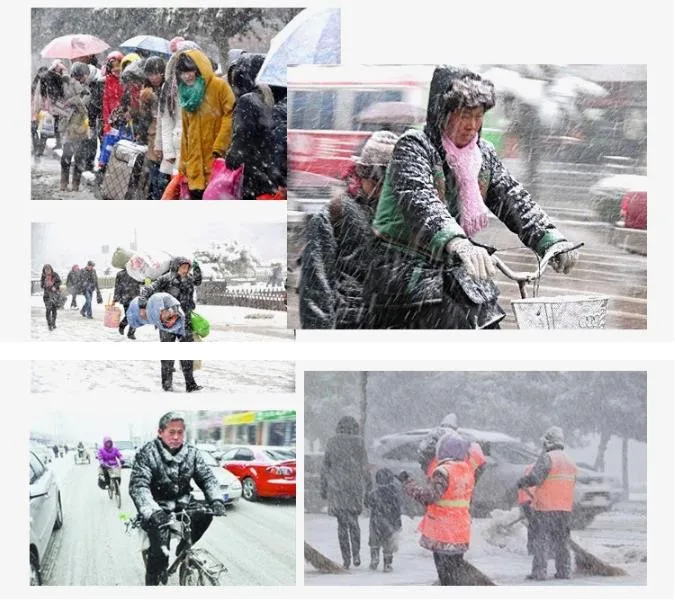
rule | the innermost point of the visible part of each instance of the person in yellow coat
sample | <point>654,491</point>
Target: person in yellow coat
<point>206,104</point>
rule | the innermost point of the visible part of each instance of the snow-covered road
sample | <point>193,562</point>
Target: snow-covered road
<point>255,541</point>
<point>618,537</point>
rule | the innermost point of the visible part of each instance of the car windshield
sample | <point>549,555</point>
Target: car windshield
<point>512,453</point>
<point>208,459</point>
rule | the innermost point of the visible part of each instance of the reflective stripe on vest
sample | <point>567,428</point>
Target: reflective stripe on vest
<point>556,492</point>
<point>448,520</point>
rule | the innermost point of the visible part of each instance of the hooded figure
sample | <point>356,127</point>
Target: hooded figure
<point>242,72</point>
<point>441,186</point>
<point>384,502</point>
<point>554,476</point>
<point>335,258</point>
<point>50,282</point>
<point>126,289</point>
<point>207,103</point>
<point>345,480</point>
<point>73,284</point>
<point>109,455</point>
<point>156,304</point>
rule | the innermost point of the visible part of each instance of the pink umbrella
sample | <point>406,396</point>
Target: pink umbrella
<point>73,46</point>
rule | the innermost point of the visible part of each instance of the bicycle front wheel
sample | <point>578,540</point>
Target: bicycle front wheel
<point>110,487</point>
<point>118,494</point>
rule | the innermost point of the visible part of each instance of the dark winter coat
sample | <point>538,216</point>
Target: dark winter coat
<point>89,281</point>
<point>162,480</point>
<point>334,264</point>
<point>171,283</point>
<point>73,282</point>
<point>51,294</point>
<point>384,502</point>
<point>126,288</point>
<point>242,73</point>
<point>345,478</point>
<point>253,143</point>
<point>417,215</point>
<point>280,142</point>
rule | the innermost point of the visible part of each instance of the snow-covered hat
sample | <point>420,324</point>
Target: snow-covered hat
<point>469,91</point>
<point>552,437</point>
<point>450,420</point>
<point>377,150</point>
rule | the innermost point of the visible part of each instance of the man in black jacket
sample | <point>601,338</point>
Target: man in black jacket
<point>180,283</point>
<point>126,289</point>
<point>89,284</point>
<point>73,284</point>
<point>160,484</point>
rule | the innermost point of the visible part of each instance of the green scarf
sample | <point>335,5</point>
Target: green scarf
<point>191,97</point>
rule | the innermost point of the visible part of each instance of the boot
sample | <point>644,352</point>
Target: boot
<point>374,558</point>
<point>357,561</point>
<point>167,379</point>
<point>387,564</point>
<point>77,177</point>
<point>122,325</point>
<point>193,387</point>
<point>190,383</point>
<point>65,177</point>
<point>131,333</point>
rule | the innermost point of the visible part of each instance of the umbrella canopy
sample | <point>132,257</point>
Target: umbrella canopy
<point>73,46</point>
<point>312,36</point>
<point>145,42</point>
<point>393,112</point>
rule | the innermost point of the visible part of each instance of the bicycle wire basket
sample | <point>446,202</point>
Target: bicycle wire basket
<point>561,312</point>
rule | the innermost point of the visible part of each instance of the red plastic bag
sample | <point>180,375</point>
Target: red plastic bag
<point>225,183</point>
<point>172,192</point>
<point>279,195</point>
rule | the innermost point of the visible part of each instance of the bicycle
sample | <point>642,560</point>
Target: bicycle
<point>196,567</point>
<point>552,312</point>
<point>114,477</point>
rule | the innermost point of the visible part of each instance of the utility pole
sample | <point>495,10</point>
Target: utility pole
<point>363,401</point>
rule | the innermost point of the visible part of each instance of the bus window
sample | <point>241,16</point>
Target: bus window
<point>365,99</point>
<point>312,109</point>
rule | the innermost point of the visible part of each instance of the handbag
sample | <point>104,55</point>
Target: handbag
<point>224,183</point>
<point>112,315</point>
<point>200,325</point>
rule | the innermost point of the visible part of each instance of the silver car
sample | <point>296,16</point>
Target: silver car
<point>46,514</point>
<point>230,486</point>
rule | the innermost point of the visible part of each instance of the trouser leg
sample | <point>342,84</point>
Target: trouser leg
<point>560,534</point>
<point>355,536</point>
<point>343,538</point>
<point>540,544</point>
<point>157,560</point>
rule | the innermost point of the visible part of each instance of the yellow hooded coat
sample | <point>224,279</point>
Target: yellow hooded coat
<point>208,129</point>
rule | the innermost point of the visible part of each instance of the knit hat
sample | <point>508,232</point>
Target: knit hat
<point>452,446</point>
<point>174,42</point>
<point>552,437</point>
<point>377,150</point>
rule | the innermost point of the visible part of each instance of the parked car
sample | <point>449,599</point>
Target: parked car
<point>264,471</point>
<point>230,486</point>
<point>46,514</point>
<point>128,451</point>
<point>44,453</point>
<point>211,449</point>
<point>506,459</point>
<point>621,200</point>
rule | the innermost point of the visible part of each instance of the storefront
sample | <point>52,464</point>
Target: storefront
<point>264,427</point>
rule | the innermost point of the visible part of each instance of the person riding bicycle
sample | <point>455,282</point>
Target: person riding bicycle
<point>160,485</point>
<point>109,457</point>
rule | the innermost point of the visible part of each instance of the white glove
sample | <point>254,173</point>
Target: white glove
<point>565,261</point>
<point>476,259</point>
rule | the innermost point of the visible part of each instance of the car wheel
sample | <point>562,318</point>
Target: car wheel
<point>35,577</point>
<point>58,523</point>
<point>248,489</point>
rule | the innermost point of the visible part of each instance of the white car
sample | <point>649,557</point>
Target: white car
<point>46,514</point>
<point>128,451</point>
<point>230,486</point>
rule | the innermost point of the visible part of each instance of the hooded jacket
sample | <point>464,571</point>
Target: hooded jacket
<point>112,97</point>
<point>109,457</point>
<point>384,502</point>
<point>73,280</point>
<point>153,306</point>
<point>208,129</point>
<point>51,293</point>
<point>334,264</point>
<point>345,478</point>
<point>418,212</point>
<point>161,480</point>
<point>126,288</point>
<point>171,283</point>
<point>242,73</point>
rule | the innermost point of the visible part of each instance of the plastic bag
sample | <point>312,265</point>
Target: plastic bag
<point>225,183</point>
<point>172,192</point>
<point>200,325</point>
<point>148,264</point>
<point>46,126</point>
<point>112,315</point>
<point>120,257</point>
<point>109,140</point>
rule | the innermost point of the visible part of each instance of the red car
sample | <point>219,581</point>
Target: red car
<point>264,471</point>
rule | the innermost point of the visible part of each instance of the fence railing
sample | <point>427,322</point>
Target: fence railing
<point>217,293</point>
<point>104,283</point>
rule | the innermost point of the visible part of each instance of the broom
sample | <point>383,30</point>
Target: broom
<point>589,563</point>
<point>320,562</point>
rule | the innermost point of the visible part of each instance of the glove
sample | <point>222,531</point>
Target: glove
<point>195,265</point>
<point>564,262</point>
<point>476,260</point>
<point>403,476</point>
<point>158,518</point>
<point>99,299</point>
<point>142,302</point>
<point>217,507</point>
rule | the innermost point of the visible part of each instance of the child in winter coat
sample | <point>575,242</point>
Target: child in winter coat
<point>384,502</point>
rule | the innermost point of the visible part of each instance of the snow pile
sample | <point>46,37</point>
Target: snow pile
<point>228,259</point>
<point>498,533</point>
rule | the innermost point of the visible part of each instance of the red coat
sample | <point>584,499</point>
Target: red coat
<point>112,96</point>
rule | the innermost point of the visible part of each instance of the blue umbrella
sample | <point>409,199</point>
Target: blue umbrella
<point>144,42</point>
<point>311,37</point>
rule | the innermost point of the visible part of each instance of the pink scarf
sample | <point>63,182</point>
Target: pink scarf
<point>466,163</point>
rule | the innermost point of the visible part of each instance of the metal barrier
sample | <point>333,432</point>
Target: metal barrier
<point>217,293</point>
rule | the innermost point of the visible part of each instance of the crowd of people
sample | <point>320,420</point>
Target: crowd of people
<point>396,250</point>
<point>182,109</point>
<point>452,467</point>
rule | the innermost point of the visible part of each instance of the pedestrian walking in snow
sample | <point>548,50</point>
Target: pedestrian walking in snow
<point>50,282</point>
<point>345,480</point>
<point>89,285</point>
<point>73,284</point>
<point>126,289</point>
<point>384,503</point>
<point>441,185</point>
<point>554,476</point>
<point>446,525</point>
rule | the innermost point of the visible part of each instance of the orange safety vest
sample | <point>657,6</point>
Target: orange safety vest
<point>448,520</point>
<point>556,492</point>
<point>474,458</point>
<point>523,497</point>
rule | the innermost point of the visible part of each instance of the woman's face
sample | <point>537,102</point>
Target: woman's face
<point>188,78</point>
<point>155,79</point>
<point>463,124</point>
<point>116,67</point>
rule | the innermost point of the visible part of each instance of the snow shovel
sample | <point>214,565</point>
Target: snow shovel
<point>503,529</point>
<point>320,562</point>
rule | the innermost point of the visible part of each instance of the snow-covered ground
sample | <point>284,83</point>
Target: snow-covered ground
<point>66,376</point>
<point>227,323</point>
<point>618,537</point>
